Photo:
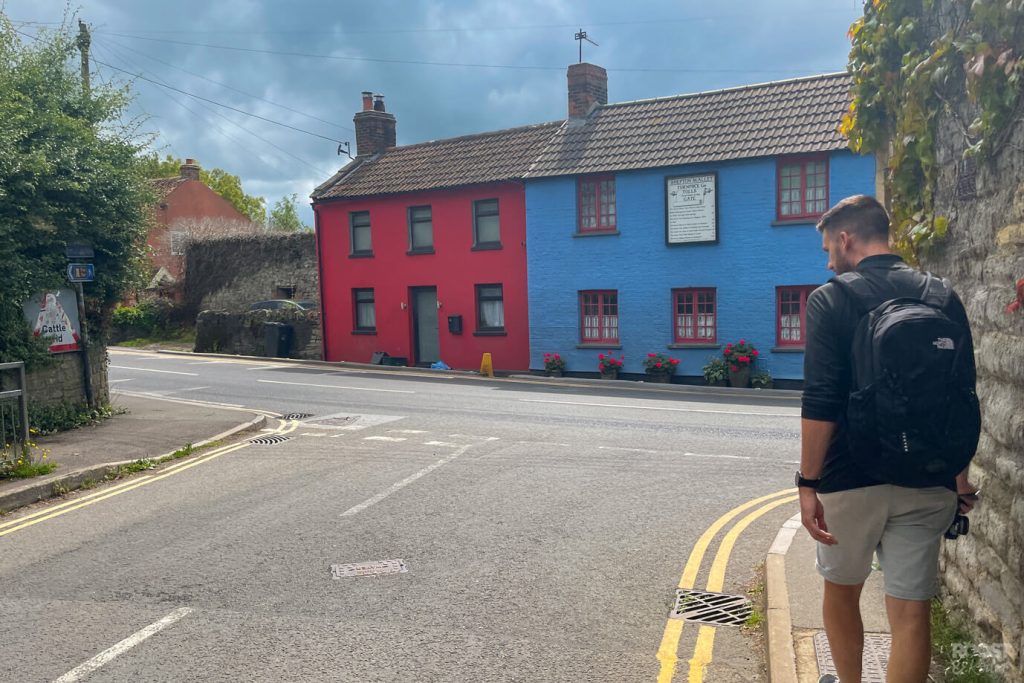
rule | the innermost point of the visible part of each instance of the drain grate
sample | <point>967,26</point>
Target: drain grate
<point>341,571</point>
<point>297,416</point>
<point>876,656</point>
<point>720,609</point>
<point>271,440</point>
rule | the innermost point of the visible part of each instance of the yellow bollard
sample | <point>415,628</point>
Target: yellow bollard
<point>486,367</point>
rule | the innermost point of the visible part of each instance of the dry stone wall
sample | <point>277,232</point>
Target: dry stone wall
<point>983,254</point>
<point>62,381</point>
<point>243,333</point>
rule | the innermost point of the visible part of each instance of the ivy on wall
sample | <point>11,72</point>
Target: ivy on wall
<point>904,78</point>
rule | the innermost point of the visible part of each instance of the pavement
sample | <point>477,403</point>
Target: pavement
<point>148,428</point>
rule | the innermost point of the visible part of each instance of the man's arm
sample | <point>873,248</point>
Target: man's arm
<point>815,436</point>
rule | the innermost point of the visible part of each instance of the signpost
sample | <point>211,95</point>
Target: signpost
<point>79,273</point>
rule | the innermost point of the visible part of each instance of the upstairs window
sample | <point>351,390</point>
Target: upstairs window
<point>486,225</point>
<point>791,319</point>
<point>802,187</point>
<point>359,233</point>
<point>695,315</point>
<point>421,230</point>
<point>599,317</point>
<point>596,202</point>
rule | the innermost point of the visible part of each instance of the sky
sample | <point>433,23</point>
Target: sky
<point>445,67</point>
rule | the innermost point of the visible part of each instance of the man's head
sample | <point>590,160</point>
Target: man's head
<point>853,229</point>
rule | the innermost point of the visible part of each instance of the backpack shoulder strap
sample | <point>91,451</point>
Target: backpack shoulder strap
<point>937,292</point>
<point>858,289</point>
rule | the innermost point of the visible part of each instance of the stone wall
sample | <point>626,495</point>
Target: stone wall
<point>243,333</point>
<point>62,381</point>
<point>983,254</point>
<point>230,273</point>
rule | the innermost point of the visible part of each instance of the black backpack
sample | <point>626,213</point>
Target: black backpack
<point>913,416</point>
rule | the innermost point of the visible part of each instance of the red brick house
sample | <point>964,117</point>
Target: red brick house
<point>186,209</point>
<point>422,248</point>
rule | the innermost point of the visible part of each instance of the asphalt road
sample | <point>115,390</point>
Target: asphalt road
<point>543,529</point>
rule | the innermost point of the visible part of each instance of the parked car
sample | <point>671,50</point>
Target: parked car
<point>284,305</point>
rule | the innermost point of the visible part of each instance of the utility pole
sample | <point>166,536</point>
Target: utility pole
<point>83,46</point>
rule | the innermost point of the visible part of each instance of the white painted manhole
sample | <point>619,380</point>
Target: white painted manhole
<point>375,568</point>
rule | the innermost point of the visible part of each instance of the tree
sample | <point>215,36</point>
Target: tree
<point>69,172</point>
<point>284,216</point>
<point>225,184</point>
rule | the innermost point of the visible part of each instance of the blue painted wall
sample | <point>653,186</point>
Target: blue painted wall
<point>751,259</point>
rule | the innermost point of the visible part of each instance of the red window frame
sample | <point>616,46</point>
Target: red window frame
<point>786,298</point>
<point>691,304</point>
<point>803,212</point>
<point>599,317</point>
<point>598,204</point>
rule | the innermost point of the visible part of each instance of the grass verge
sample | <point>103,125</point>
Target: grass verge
<point>962,660</point>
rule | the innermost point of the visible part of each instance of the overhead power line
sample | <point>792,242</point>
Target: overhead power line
<point>521,67</point>
<point>221,104</point>
<point>230,87</point>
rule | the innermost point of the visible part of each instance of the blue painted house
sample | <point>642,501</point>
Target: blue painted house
<point>680,224</point>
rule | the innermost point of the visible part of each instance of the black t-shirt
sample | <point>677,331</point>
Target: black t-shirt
<point>831,320</point>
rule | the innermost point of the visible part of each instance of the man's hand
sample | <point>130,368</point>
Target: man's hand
<point>812,514</point>
<point>966,492</point>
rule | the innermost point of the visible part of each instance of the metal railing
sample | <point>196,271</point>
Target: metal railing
<point>13,406</point>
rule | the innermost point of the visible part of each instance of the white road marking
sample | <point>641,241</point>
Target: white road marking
<point>402,484</point>
<point>178,391</point>
<point>629,450</point>
<point>166,372</point>
<point>384,438</point>
<point>192,402</point>
<point>207,362</point>
<point>407,431</point>
<point>333,386</point>
<point>312,434</point>
<point>115,381</point>
<point>672,410</point>
<point>470,436</point>
<point>543,443</point>
<point>80,672</point>
<point>713,455</point>
<point>264,367</point>
<point>440,443</point>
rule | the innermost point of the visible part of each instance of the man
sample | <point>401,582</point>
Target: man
<point>849,513</point>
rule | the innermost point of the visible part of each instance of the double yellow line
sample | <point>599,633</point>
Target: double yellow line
<point>130,485</point>
<point>667,653</point>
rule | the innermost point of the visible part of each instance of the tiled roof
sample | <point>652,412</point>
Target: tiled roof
<point>468,160</point>
<point>785,117</point>
<point>165,185</point>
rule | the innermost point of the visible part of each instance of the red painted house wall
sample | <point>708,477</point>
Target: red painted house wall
<point>454,268</point>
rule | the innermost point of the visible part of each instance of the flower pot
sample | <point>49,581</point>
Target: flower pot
<point>739,378</point>
<point>717,383</point>
<point>611,373</point>
<point>762,385</point>
<point>657,377</point>
<point>556,373</point>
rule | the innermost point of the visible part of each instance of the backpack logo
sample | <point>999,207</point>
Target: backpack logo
<point>944,344</point>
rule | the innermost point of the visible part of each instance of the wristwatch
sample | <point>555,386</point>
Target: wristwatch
<point>809,483</point>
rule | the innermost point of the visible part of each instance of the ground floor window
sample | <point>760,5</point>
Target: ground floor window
<point>490,308</point>
<point>694,315</point>
<point>365,311</point>
<point>599,317</point>
<point>791,316</point>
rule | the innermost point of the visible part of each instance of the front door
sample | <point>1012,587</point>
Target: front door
<point>424,325</point>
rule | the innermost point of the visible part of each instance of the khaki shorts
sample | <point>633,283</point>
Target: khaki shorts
<point>903,526</point>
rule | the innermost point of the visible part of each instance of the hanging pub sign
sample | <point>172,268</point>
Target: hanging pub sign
<point>691,209</point>
<point>53,315</point>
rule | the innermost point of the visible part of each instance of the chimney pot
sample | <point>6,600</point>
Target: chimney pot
<point>367,100</point>
<point>588,87</point>
<point>190,169</point>
<point>378,103</point>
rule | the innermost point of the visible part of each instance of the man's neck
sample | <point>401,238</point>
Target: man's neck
<point>873,250</point>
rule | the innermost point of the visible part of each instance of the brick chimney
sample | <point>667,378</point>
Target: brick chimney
<point>588,87</point>
<point>190,169</point>
<point>375,128</point>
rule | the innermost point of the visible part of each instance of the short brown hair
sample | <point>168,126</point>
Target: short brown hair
<point>859,215</point>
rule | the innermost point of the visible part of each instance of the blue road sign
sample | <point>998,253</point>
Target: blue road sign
<point>81,272</point>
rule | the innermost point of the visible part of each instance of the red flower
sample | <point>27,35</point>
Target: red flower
<point>547,355</point>
<point>744,359</point>
<point>600,356</point>
<point>673,361</point>
<point>742,341</point>
<point>729,345</point>
<point>557,357</point>
<point>650,355</point>
<point>754,353</point>
<point>657,365</point>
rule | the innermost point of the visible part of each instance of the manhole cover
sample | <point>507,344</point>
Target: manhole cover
<point>296,416</point>
<point>876,656</point>
<point>720,609</point>
<point>269,440</point>
<point>376,568</point>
